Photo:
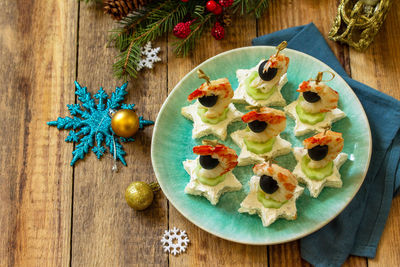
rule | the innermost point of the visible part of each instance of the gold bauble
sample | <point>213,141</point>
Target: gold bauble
<point>139,195</point>
<point>125,123</point>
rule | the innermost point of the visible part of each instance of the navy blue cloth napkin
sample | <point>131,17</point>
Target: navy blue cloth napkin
<point>358,228</point>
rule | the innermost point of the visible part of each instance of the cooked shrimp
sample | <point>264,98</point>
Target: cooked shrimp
<point>286,181</point>
<point>220,88</point>
<point>324,97</point>
<point>281,62</point>
<point>329,145</point>
<point>275,119</point>
<point>226,156</point>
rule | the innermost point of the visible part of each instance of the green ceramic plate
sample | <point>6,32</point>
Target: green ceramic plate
<point>172,144</point>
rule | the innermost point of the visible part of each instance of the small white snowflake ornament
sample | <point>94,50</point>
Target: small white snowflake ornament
<point>149,56</point>
<point>175,241</point>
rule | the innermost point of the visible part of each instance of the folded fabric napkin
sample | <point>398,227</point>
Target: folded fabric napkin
<point>358,228</point>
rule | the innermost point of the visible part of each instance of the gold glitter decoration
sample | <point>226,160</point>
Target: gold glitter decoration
<point>357,22</point>
<point>139,195</point>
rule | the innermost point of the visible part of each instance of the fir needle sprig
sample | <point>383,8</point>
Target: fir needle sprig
<point>150,26</point>
<point>157,18</point>
<point>183,47</point>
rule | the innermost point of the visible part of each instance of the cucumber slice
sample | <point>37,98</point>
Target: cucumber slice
<point>209,181</point>
<point>202,111</point>
<point>256,93</point>
<point>268,202</point>
<point>306,117</point>
<point>259,148</point>
<point>316,174</point>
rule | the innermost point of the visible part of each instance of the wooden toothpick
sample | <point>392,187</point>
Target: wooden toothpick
<point>318,79</point>
<point>210,142</point>
<point>256,108</point>
<point>270,160</point>
<point>326,128</point>
<point>202,75</point>
<point>280,47</point>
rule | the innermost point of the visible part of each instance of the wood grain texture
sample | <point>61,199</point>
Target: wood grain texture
<point>37,50</point>
<point>288,13</point>
<point>286,254</point>
<point>106,231</point>
<point>50,212</point>
<point>383,74</point>
<point>206,249</point>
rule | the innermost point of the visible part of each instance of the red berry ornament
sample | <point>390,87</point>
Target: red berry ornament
<point>185,1</point>
<point>182,29</point>
<point>211,6</point>
<point>217,10</point>
<point>218,31</point>
<point>226,3</point>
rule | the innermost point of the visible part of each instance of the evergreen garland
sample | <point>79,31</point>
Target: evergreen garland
<point>158,18</point>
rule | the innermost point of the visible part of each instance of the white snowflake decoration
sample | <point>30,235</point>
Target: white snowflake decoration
<point>175,241</point>
<point>149,56</point>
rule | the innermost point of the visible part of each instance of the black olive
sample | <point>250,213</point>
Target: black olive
<point>311,97</point>
<point>257,126</point>
<point>318,152</point>
<point>208,101</point>
<point>267,75</point>
<point>268,184</point>
<point>208,162</point>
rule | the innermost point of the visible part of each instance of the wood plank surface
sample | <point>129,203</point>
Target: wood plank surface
<point>37,48</point>
<point>52,214</point>
<point>382,73</point>
<point>106,231</point>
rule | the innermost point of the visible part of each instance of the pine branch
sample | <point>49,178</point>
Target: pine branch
<point>250,6</point>
<point>127,62</point>
<point>159,18</point>
<point>121,35</point>
<point>183,47</point>
<point>163,21</point>
<point>147,27</point>
<point>240,5</point>
<point>260,8</point>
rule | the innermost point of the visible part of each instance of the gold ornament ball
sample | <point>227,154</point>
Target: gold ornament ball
<point>139,195</point>
<point>125,123</point>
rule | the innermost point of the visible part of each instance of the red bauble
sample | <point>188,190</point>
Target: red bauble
<point>217,10</point>
<point>218,31</point>
<point>226,3</point>
<point>211,5</point>
<point>185,1</point>
<point>182,29</point>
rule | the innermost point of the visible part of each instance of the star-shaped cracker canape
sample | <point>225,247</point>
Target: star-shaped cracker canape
<point>211,173</point>
<point>273,194</point>
<point>261,85</point>
<point>213,111</point>
<point>261,138</point>
<point>315,108</point>
<point>318,163</point>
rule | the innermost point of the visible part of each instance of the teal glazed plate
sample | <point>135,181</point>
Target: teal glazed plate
<point>172,144</point>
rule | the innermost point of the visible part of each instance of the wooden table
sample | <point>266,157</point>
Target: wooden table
<point>52,214</point>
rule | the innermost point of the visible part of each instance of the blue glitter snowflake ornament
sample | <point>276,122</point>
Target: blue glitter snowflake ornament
<point>93,123</point>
